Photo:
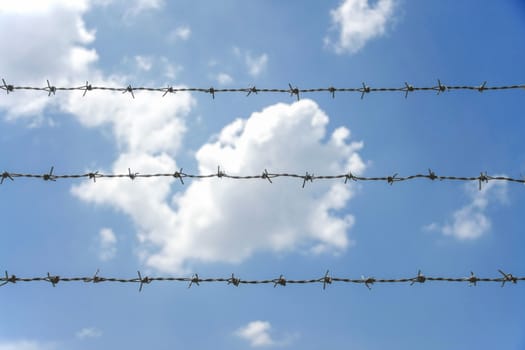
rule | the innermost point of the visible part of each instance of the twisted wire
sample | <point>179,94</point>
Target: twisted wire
<point>482,178</point>
<point>325,280</point>
<point>294,91</point>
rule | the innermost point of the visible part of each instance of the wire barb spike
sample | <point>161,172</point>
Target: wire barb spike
<point>6,175</point>
<point>408,88</point>
<point>143,281</point>
<point>364,90</point>
<point>8,88</point>
<point>327,279</point>
<point>8,279</point>
<point>131,175</point>
<point>179,174</point>
<point>440,87</point>
<point>420,278</point>
<point>507,277</point>
<point>472,280</point>
<point>49,176</point>
<point>53,279</point>
<point>483,178</point>
<point>294,91</point>
<point>168,89</point>
<point>308,177</point>
<point>391,179</point>
<point>87,88</point>
<point>194,280</point>
<point>234,281</point>
<point>482,87</point>
<point>369,281</point>
<point>266,176</point>
<point>129,89</point>
<point>281,281</point>
<point>50,89</point>
<point>251,90</point>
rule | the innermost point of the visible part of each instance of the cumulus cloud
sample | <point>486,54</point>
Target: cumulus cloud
<point>179,33</point>
<point>471,221</point>
<point>90,332</point>
<point>57,50</point>
<point>107,244</point>
<point>210,219</point>
<point>206,220</point>
<point>357,22</point>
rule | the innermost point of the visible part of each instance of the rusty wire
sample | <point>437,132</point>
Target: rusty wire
<point>294,91</point>
<point>483,177</point>
<point>325,280</point>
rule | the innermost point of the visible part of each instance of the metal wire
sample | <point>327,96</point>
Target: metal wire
<point>294,91</point>
<point>265,175</point>
<point>325,280</point>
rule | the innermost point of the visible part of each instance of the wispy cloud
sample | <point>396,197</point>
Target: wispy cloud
<point>224,79</point>
<point>137,7</point>
<point>471,221</point>
<point>255,64</point>
<point>357,22</point>
<point>107,244</point>
<point>144,63</point>
<point>90,332</point>
<point>25,345</point>
<point>257,334</point>
<point>179,33</point>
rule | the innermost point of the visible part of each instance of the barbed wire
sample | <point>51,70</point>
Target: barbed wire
<point>294,91</point>
<point>325,280</point>
<point>265,175</point>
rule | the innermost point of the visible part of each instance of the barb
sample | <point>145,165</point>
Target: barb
<point>280,281</point>
<point>294,92</point>
<point>264,175</point>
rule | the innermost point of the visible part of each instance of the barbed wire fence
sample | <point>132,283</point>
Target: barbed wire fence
<point>325,280</point>
<point>294,91</point>
<point>265,175</point>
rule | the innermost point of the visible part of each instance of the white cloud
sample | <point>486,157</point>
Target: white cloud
<point>211,219</point>
<point>55,51</point>
<point>358,22</point>
<point>90,332</point>
<point>144,63</point>
<point>257,333</point>
<point>139,124</point>
<point>25,345</point>
<point>224,79</point>
<point>208,219</point>
<point>255,64</point>
<point>471,221</point>
<point>107,244</point>
<point>179,33</point>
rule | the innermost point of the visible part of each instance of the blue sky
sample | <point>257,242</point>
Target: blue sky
<point>254,229</point>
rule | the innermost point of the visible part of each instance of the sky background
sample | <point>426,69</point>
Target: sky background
<point>259,231</point>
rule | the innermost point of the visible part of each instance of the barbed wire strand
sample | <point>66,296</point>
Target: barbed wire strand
<point>294,91</point>
<point>483,177</point>
<point>325,280</point>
